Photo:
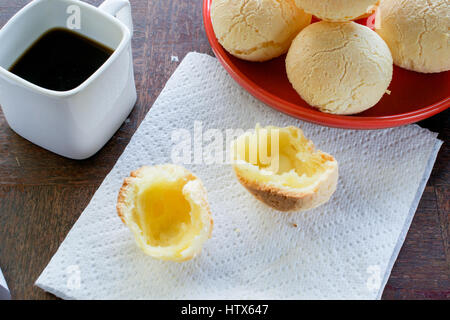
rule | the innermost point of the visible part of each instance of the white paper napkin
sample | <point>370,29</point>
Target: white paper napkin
<point>342,250</point>
<point>4,291</point>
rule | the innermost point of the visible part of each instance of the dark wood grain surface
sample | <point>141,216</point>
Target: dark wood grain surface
<point>42,194</point>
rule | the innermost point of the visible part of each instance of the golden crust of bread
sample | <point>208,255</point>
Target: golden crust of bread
<point>256,30</point>
<point>285,200</point>
<point>292,198</point>
<point>417,33</point>
<point>339,67</point>
<point>335,10</point>
<point>192,190</point>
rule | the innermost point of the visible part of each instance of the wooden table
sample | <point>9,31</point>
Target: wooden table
<point>42,194</point>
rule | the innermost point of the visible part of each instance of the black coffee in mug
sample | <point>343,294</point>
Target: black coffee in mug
<point>61,60</point>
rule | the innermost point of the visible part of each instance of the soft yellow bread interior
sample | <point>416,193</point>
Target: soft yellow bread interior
<point>166,209</point>
<point>279,156</point>
<point>165,215</point>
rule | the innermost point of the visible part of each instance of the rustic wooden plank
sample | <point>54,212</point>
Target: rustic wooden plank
<point>34,220</point>
<point>443,206</point>
<point>421,264</point>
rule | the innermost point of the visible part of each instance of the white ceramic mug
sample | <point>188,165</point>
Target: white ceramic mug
<point>76,123</point>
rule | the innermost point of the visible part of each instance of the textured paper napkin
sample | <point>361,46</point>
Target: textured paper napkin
<point>4,291</point>
<point>341,250</point>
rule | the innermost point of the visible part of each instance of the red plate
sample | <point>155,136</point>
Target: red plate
<point>414,96</point>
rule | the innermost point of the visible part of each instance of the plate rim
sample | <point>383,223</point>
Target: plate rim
<point>299,111</point>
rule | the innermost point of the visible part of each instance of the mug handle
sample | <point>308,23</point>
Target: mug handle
<point>121,9</point>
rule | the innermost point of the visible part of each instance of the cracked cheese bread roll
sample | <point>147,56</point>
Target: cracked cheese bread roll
<point>167,210</point>
<point>336,10</point>
<point>257,30</point>
<point>280,167</point>
<point>341,68</point>
<point>417,32</point>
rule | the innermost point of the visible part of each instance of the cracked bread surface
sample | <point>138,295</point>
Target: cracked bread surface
<point>417,32</point>
<point>336,10</point>
<point>257,30</point>
<point>370,11</point>
<point>340,68</point>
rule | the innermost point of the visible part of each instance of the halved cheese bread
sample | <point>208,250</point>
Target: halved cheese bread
<point>280,167</point>
<point>166,209</point>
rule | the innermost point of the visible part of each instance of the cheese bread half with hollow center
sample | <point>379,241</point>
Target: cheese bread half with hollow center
<point>167,210</point>
<point>282,168</point>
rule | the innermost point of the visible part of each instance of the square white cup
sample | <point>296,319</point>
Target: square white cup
<point>76,123</point>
